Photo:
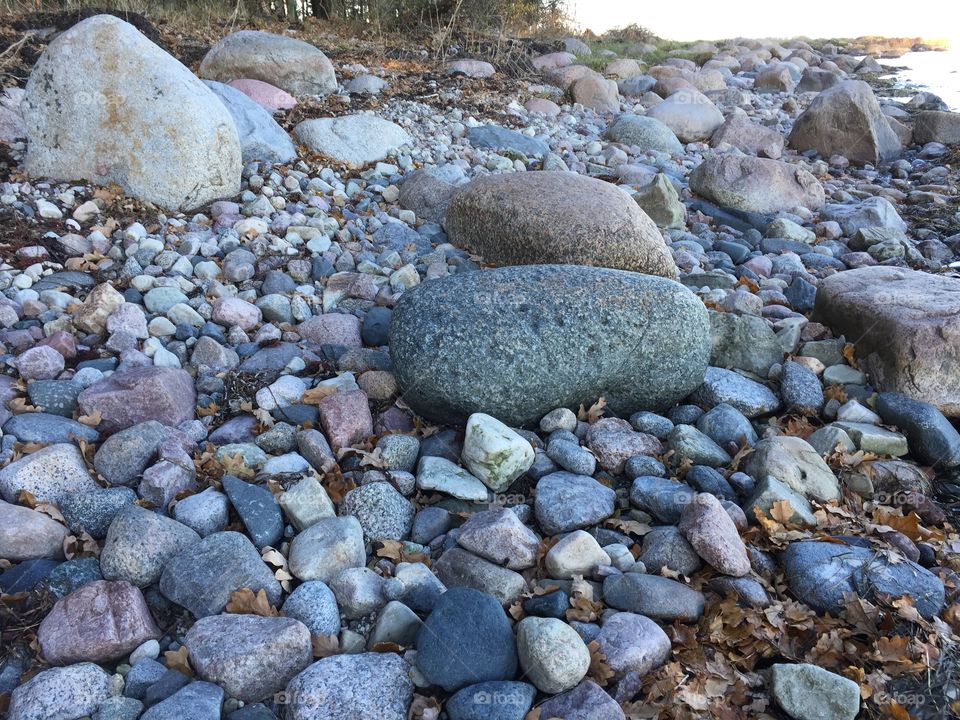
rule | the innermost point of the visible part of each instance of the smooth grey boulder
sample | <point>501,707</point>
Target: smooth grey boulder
<point>645,132</point>
<point>517,342</point>
<point>756,185</point>
<point>261,138</point>
<point>353,140</point>
<point>105,104</point>
<point>287,63</point>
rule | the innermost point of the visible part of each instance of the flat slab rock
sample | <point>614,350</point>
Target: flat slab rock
<point>905,325</point>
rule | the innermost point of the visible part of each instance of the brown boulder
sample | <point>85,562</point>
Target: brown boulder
<point>99,622</point>
<point>556,218</point>
<point>846,120</point>
<point>906,328</point>
<point>750,137</point>
<point>937,126</point>
<point>597,93</point>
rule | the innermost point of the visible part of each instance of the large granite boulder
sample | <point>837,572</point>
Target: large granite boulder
<point>518,342</point>
<point>906,328</point>
<point>846,120</point>
<point>105,104</point>
<point>756,185</point>
<point>555,217</point>
<point>287,63</point>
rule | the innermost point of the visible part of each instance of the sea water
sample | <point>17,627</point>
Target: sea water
<point>938,72</point>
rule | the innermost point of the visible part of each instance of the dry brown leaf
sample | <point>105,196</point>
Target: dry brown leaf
<point>245,602</point>
<point>21,405</point>
<point>208,411</point>
<point>91,420</point>
<point>849,353</point>
<point>593,413</point>
<point>395,551</point>
<point>314,395</point>
<point>387,647</point>
<point>234,465</point>
<point>325,645</point>
<point>27,498</point>
<point>600,672</point>
<point>583,610</point>
<point>179,660</point>
<point>782,512</point>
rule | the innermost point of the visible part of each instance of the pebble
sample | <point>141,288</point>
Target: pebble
<point>551,654</point>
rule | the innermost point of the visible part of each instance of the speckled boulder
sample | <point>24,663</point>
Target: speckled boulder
<point>517,342</point>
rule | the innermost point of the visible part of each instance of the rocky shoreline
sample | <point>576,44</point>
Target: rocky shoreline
<point>591,395</point>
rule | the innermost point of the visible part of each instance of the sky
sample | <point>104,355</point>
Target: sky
<point>719,19</point>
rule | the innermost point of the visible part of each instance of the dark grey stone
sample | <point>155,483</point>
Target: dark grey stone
<point>554,604</point>
<point>651,424</point>
<point>47,429</point>
<point>746,395</point>
<point>644,465</point>
<point>141,676</point>
<point>707,479</point>
<point>819,573</point>
<point>25,576</point>
<point>566,502</point>
<point>197,701</point>
<point>167,685</point>
<point>587,701</point>
<point>123,456</point>
<point>518,342</point>
<point>656,597</point>
<point>429,523</point>
<point>68,576</point>
<point>203,578</point>
<point>376,326</point>
<point>504,700</point>
<point>725,424</point>
<point>257,508</point>
<point>665,546</point>
<point>801,390</point>
<point>500,138</point>
<point>57,397</point>
<point>94,510</point>
<point>467,638</point>
<point>933,440</point>
<point>746,342</point>
<point>663,498</point>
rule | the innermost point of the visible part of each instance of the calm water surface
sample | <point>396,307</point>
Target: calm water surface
<point>938,72</point>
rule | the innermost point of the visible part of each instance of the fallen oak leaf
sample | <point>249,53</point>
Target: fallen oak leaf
<point>245,602</point>
<point>600,671</point>
<point>593,413</point>
<point>91,420</point>
<point>325,645</point>
<point>179,660</point>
